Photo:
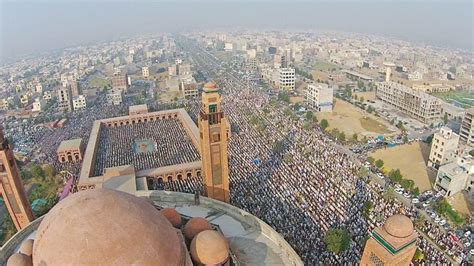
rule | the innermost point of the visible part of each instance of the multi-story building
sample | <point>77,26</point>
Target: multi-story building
<point>145,72</point>
<point>184,69</point>
<point>47,95</point>
<point>120,81</point>
<point>189,89</point>
<point>79,102</point>
<point>172,70</point>
<point>319,97</point>
<point>38,104</point>
<point>287,79</point>
<point>64,99</point>
<point>443,148</point>
<point>114,97</point>
<point>456,176</point>
<point>3,104</point>
<point>417,104</point>
<point>24,99</point>
<point>466,133</point>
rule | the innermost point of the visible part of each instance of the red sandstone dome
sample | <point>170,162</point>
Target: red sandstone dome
<point>398,226</point>
<point>209,248</point>
<point>172,215</point>
<point>27,247</point>
<point>194,226</point>
<point>19,259</point>
<point>210,86</point>
<point>102,226</point>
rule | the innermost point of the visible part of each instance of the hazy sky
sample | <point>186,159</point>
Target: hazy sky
<point>38,26</point>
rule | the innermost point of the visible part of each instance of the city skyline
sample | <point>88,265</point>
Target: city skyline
<point>61,25</point>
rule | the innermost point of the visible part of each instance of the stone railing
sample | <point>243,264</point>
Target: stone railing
<point>178,199</point>
<point>14,243</point>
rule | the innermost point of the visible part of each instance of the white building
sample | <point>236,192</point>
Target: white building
<point>319,97</point>
<point>79,102</point>
<point>286,79</point>
<point>228,46</point>
<point>145,72</point>
<point>443,147</point>
<point>466,134</point>
<point>415,76</point>
<point>39,88</point>
<point>455,176</point>
<point>417,104</point>
<point>3,104</point>
<point>38,104</point>
<point>114,97</point>
<point>47,95</point>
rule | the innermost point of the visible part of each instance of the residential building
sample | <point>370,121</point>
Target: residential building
<point>79,102</point>
<point>145,72</point>
<point>39,88</point>
<point>415,76</point>
<point>319,97</point>
<point>184,69</point>
<point>417,104</point>
<point>114,96</point>
<point>172,70</point>
<point>443,148</point>
<point>47,95</point>
<point>64,99</point>
<point>120,81</point>
<point>3,104</point>
<point>455,176</point>
<point>38,104</point>
<point>189,89</point>
<point>24,99</point>
<point>466,133</point>
<point>287,79</point>
<point>433,87</point>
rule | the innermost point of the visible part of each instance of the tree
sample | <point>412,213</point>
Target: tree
<point>309,116</point>
<point>370,109</point>
<point>356,97</point>
<point>337,240</point>
<point>371,160</point>
<point>342,136</point>
<point>415,191</point>
<point>471,153</point>
<point>324,124</point>
<point>445,118</point>
<point>395,175</point>
<point>360,84</point>
<point>362,99</point>
<point>37,172</point>
<point>419,255</point>
<point>379,163</point>
<point>25,174</point>
<point>354,137</point>
<point>367,209</point>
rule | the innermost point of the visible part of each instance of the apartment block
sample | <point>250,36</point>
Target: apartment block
<point>286,79</point>
<point>319,97</point>
<point>443,148</point>
<point>466,133</point>
<point>417,104</point>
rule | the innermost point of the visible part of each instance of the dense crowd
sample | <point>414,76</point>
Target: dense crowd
<point>119,146</point>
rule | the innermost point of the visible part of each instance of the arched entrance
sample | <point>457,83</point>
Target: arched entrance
<point>189,175</point>
<point>180,177</point>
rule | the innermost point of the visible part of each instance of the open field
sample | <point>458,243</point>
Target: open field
<point>297,99</point>
<point>321,65</point>
<point>97,82</point>
<point>350,119</point>
<point>464,98</point>
<point>368,95</point>
<point>411,160</point>
<point>461,204</point>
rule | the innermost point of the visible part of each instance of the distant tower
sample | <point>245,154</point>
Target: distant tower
<point>394,243</point>
<point>214,133</point>
<point>388,71</point>
<point>11,187</point>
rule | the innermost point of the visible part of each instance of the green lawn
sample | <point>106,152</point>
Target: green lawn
<point>98,82</point>
<point>464,98</point>
<point>324,66</point>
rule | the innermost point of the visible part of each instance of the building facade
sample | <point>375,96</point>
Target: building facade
<point>214,133</point>
<point>145,72</point>
<point>286,79</point>
<point>443,147</point>
<point>120,81</point>
<point>417,104</point>
<point>466,134</point>
<point>79,102</point>
<point>11,188</point>
<point>455,176</point>
<point>319,97</point>
<point>64,99</point>
<point>114,97</point>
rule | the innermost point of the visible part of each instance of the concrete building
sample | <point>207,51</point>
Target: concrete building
<point>443,147</point>
<point>145,72</point>
<point>24,99</point>
<point>120,81</point>
<point>70,151</point>
<point>11,188</point>
<point>394,243</point>
<point>214,133</point>
<point>64,99</point>
<point>114,96</point>
<point>172,70</point>
<point>286,79</point>
<point>189,89</point>
<point>3,104</point>
<point>38,104</point>
<point>47,95</point>
<point>455,176</point>
<point>319,97</point>
<point>417,104</point>
<point>184,69</point>
<point>466,134</point>
<point>79,102</point>
<point>415,76</point>
<point>433,87</point>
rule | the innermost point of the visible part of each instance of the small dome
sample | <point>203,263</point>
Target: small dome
<point>399,226</point>
<point>210,86</point>
<point>27,247</point>
<point>209,248</point>
<point>194,226</point>
<point>19,259</point>
<point>102,226</point>
<point>172,215</point>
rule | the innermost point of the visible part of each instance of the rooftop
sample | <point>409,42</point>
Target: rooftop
<point>70,144</point>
